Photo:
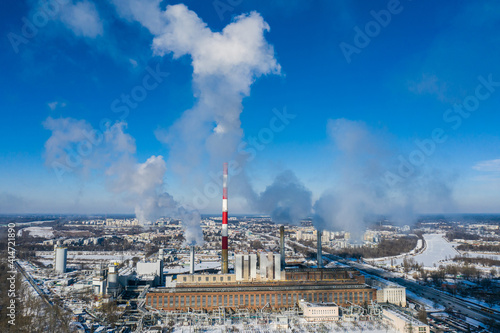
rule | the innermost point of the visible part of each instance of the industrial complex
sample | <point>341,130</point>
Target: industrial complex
<point>266,278</point>
<point>258,281</point>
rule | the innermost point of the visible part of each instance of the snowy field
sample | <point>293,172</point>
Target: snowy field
<point>429,305</point>
<point>197,267</point>
<point>87,255</point>
<point>43,232</point>
<point>20,224</point>
<point>437,249</point>
<point>481,255</point>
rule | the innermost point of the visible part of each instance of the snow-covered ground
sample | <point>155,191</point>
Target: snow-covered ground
<point>437,248</point>
<point>197,267</point>
<point>89,255</point>
<point>43,232</point>
<point>302,327</point>
<point>429,305</point>
<point>493,256</point>
<point>20,224</point>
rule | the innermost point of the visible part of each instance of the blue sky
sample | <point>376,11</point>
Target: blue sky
<point>354,115</point>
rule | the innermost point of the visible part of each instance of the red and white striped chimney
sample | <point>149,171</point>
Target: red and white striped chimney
<point>225,268</point>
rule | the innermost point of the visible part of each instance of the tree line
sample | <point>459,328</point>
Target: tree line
<point>386,248</point>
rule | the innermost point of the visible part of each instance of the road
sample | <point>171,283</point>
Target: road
<point>467,308</point>
<point>44,297</point>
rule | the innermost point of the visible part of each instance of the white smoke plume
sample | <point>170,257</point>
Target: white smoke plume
<point>361,192</point>
<point>225,64</point>
<point>286,200</point>
<point>75,146</point>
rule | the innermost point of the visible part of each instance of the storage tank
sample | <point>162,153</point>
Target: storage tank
<point>61,256</point>
<point>112,277</point>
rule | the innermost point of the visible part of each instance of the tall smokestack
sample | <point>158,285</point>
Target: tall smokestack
<point>225,268</point>
<point>282,246</point>
<point>191,260</point>
<point>320,250</point>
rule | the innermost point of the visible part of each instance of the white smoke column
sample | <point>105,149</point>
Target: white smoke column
<point>142,182</point>
<point>355,195</point>
<point>76,147</point>
<point>287,200</point>
<point>225,64</point>
<point>193,234</point>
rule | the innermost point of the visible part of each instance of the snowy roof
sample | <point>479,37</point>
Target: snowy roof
<point>197,267</point>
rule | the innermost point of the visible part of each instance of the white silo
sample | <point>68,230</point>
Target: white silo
<point>112,276</point>
<point>61,256</point>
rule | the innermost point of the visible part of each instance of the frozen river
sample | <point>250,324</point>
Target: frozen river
<point>437,249</point>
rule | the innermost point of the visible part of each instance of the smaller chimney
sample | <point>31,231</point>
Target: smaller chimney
<point>319,250</point>
<point>282,246</point>
<point>191,261</point>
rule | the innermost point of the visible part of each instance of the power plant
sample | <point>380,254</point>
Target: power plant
<point>260,280</point>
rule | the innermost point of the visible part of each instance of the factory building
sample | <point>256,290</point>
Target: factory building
<point>245,267</point>
<point>389,292</point>
<point>152,269</point>
<point>319,311</point>
<point>275,296</point>
<point>402,322</point>
<point>208,292</point>
<point>114,287</point>
<point>106,282</point>
<point>99,285</point>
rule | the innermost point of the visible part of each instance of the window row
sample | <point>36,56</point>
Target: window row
<point>275,299</point>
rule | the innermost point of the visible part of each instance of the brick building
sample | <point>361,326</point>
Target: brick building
<point>338,285</point>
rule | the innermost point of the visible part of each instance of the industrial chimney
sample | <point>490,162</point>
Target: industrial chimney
<point>319,250</point>
<point>282,246</point>
<point>225,268</point>
<point>191,260</point>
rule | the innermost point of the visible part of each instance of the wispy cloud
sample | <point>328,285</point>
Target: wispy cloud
<point>82,18</point>
<point>429,84</point>
<point>488,166</point>
<point>55,104</point>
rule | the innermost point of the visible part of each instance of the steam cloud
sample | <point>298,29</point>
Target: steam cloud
<point>362,192</point>
<point>225,64</point>
<point>75,146</point>
<point>287,200</point>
